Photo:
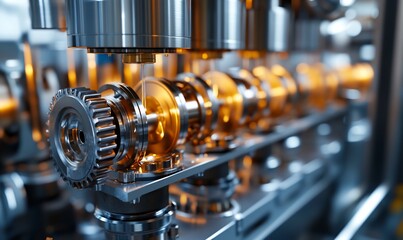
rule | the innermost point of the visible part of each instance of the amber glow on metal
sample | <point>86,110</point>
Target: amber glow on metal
<point>92,71</point>
<point>31,85</point>
<point>71,73</point>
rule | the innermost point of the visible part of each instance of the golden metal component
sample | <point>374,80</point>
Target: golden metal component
<point>358,76</point>
<point>332,86</point>
<point>8,112</point>
<point>194,108</point>
<point>290,84</point>
<point>168,103</point>
<point>138,58</point>
<point>311,83</point>
<point>278,91</point>
<point>226,91</point>
<point>8,104</point>
<point>262,95</point>
<point>210,106</point>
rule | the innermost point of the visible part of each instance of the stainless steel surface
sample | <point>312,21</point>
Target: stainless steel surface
<point>130,114</point>
<point>48,14</point>
<point>154,225</point>
<point>82,136</point>
<point>209,109</point>
<point>267,26</point>
<point>128,26</point>
<point>218,25</point>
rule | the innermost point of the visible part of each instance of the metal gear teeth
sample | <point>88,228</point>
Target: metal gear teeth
<point>105,135</point>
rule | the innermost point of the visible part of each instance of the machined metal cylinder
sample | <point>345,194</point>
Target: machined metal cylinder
<point>207,194</point>
<point>150,217</point>
<point>48,14</point>
<point>127,26</point>
<point>267,26</point>
<point>13,202</point>
<point>217,25</point>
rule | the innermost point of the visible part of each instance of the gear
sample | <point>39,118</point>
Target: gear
<point>82,136</point>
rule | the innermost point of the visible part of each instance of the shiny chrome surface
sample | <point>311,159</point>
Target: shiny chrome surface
<point>154,225</point>
<point>209,109</point>
<point>217,24</point>
<point>48,14</point>
<point>132,127</point>
<point>124,25</point>
<point>148,217</point>
<point>208,194</point>
<point>82,136</point>
<point>267,26</point>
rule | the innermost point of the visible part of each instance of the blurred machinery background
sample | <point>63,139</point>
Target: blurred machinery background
<point>201,119</point>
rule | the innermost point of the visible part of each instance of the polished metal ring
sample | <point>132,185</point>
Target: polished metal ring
<point>82,136</point>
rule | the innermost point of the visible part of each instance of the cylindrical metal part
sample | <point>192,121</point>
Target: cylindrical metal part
<point>193,109</point>
<point>217,24</point>
<point>267,26</point>
<point>209,193</point>
<point>149,217</point>
<point>152,121</point>
<point>127,26</point>
<point>163,98</point>
<point>13,202</point>
<point>150,202</point>
<point>48,14</point>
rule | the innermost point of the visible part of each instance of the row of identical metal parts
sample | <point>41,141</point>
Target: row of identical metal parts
<point>116,112</point>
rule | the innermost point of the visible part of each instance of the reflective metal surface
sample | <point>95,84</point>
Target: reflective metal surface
<point>210,108</point>
<point>267,26</point>
<point>82,136</point>
<point>149,217</point>
<point>256,140</point>
<point>278,92</point>
<point>126,26</point>
<point>165,100</point>
<point>218,25</point>
<point>48,14</point>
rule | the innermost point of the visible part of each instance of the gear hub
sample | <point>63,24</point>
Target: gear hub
<point>82,136</point>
